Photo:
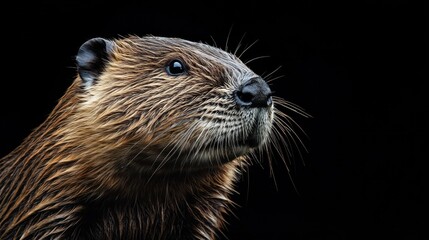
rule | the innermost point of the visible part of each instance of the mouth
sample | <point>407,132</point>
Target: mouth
<point>258,131</point>
<point>253,139</point>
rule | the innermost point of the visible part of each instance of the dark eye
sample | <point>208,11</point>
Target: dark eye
<point>175,68</point>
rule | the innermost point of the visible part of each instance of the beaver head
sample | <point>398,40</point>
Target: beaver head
<point>169,103</point>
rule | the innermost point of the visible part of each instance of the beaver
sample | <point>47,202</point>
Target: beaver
<point>146,143</point>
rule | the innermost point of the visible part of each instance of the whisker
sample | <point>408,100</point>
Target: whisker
<point>163,161</point>
<point>214,41</point>
<point>227,38</point>
<point>135,156</point>
<point>247,48</point>
<point>291,106</point>
<point>274,79</point>
<point>279,136</point>
<point>276,137</point>
<point>268,151</point>
<point>255,58</point>
<point>292,122</point>
<point>293,182</point>
<point>266,77</point>
<point>239,44</point>
<point>292,136</point>
<point>284,160</point>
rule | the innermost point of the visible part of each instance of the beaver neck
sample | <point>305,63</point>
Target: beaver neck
<point>172,210</point>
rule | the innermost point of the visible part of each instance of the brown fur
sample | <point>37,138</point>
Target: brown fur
<point>114,160</point>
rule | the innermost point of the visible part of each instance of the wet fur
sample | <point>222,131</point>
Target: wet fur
<point>120,158</point>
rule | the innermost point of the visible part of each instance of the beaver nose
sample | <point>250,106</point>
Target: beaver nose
<point>253,93</point>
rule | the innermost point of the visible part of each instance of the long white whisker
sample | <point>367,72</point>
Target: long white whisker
<point>254,59</point>
<point>267,148</point>
<point>214,42</point>
<point>266,77</point>
<point>247,48</point>
<point>291,106</point>
<point>274,79</point>
<point>227,38</point>
<point>278,141</point>
<point>292,122</point>
<point>292,134</point>
<point>239,44</point>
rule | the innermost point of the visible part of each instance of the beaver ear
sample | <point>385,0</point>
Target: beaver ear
<point>91,59</point>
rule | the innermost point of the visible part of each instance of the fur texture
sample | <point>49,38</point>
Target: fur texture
<point>135,153</point>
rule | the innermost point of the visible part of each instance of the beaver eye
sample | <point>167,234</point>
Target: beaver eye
<point>175,68</point>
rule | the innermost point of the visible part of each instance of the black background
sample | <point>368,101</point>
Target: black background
<point>358,67</point>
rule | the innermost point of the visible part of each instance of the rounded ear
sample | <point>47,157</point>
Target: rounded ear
<point>91,59</point>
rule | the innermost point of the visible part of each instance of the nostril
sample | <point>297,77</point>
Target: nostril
<point>244,97</point>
